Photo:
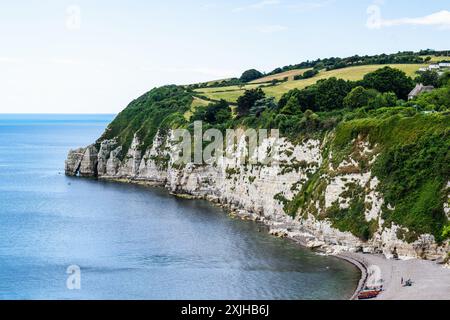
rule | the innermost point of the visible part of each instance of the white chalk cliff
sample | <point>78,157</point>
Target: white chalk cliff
<point>260,192</point>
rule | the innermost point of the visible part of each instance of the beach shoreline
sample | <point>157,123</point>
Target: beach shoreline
<point>430,281</point>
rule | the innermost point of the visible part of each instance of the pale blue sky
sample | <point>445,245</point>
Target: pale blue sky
<point>95,56</point>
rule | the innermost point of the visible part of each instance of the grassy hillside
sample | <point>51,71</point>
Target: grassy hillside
<point>280,76</point>
<point>232,93</point>
<point>161,108</point>
<point>196,103</point>
<point>435,59</point>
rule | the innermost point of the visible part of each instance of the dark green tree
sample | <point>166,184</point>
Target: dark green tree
<point>262,105</point>
<point>428,78</point>
<point>248,100</point>
<point>444,80</point>
<point>331,93</point>
<point>310,73</point>
<point>215,113</point>
<point>388,79</point>
<point>251,75</point>
<point>306,98</point>
<point>292,106</point>
<point>359,97</point>
<point>383,100</point>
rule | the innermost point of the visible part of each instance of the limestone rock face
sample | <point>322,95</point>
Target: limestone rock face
<point>257,191</point>
<point>88,165</point>
<point>131,163</point>
<point>73,162</point>
<point>113,163</point>
<point>106,147</point>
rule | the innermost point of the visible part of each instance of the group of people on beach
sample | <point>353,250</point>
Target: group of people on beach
<point>407,283</point>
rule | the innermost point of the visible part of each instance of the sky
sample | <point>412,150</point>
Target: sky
<point>85,56</point>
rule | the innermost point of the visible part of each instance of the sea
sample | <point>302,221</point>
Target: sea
<point>80,239</point>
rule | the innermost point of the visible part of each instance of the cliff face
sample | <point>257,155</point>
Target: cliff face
<point>300,197</point>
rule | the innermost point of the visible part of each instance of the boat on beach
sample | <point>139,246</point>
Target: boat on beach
<point>370,293</point>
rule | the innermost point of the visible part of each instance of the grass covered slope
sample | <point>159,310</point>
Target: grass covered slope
<point>161,108</point>
<point>232,93</point>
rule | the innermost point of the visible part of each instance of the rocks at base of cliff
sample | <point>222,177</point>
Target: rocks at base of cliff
<point>105,162</point>
<point>73,162</point>
<point>82,161</point>
<point>88,167</point>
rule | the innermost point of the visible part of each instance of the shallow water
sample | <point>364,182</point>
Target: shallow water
<point>132,242</point>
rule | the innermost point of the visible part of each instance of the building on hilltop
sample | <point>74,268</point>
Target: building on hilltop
<point>433,67</point>
<point>420,88</point>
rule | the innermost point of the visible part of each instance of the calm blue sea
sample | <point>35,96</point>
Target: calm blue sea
<point>132,242</point>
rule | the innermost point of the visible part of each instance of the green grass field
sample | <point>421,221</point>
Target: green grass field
<point>232,93</point>
<point>196,102</point>
<point>280,76</point>
<point>437,59</point>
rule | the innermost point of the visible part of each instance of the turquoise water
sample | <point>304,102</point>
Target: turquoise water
<point>132,242</point>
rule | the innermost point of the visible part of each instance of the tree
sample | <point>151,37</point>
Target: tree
<point>307,74</point>
<point>428,78</point>
<point>359,97</point>
<point>306,98</point>
<point>292,106</point>
<point>262,105</point>
<point>444,80</point>
<point>247,101</point>
<point>331,93</point>
<point>199,114</point>
<point>383,100</point>
<point>388,79</point>
<point>310,73</point>
<point>251,75</point>
<point>214,113</point>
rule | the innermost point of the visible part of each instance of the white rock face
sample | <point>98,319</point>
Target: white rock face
<point>106,147</point>
<point>258,191</point>
<point>340,184</point>
<point>374,200</point>
<point>73,162</point>
<point>88,165</point>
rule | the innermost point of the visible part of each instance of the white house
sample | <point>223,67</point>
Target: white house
<point>433,67</point>
<point>420,88</point>
<point>444,65</point>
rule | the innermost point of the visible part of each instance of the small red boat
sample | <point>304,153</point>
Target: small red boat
<point>370,294</point>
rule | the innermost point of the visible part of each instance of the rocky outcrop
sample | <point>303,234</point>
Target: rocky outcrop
<point>73,162</point>
<point>260,192</point>
<point>88,165</point>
